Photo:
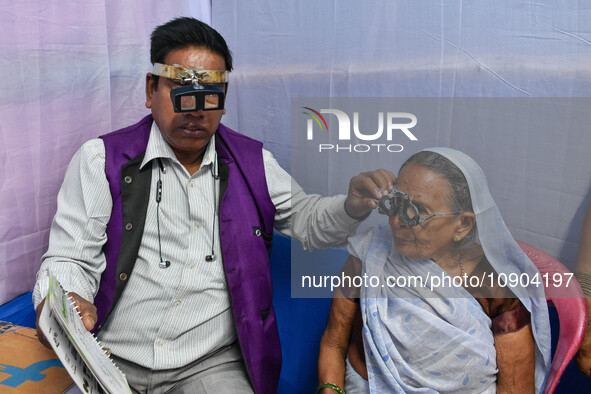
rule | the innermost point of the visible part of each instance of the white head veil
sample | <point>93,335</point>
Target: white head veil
<point>504,255</point>
<point>392,317</point>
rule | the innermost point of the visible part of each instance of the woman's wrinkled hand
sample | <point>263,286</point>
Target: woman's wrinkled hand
<point>583,356</point>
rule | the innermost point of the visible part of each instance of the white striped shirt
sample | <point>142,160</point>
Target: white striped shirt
<point>167,318</point>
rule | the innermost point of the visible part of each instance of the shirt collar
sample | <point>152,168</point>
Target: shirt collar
<point>158,148</point>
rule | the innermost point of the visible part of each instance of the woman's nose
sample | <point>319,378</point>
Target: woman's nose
<point>396,222</point>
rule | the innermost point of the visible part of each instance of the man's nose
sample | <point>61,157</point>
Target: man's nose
<point>196,114</point>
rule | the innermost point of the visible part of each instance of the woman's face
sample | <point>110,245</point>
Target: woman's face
<point>434,238</point>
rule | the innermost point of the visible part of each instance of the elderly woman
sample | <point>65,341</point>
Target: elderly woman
<point>443,317</point>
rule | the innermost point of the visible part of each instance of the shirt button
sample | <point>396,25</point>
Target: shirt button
<point>160,343</point>
<point>192,265</point>
<point>192,183</point>
<point>197,225</point>
<point>177,303</point>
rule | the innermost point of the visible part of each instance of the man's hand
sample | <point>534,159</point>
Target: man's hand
<point>86,309</point>
<point>364,189</point>
<point>40,334</point>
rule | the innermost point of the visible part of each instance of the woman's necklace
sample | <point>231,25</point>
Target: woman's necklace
<point>461,259</point>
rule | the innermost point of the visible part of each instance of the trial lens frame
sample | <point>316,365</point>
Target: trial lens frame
<point>399,202</point>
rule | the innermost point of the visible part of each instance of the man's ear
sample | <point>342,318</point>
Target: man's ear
<point>150,87</point>
<point>467,221</point>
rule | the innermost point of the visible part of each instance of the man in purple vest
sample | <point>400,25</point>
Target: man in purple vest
<point>163,230</point>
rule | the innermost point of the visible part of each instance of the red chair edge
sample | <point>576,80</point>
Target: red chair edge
<point>570,305</point>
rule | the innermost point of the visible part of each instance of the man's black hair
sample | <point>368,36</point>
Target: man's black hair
<point>182,33</point>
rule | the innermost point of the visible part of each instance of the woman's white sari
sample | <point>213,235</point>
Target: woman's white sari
<point>427,338</point>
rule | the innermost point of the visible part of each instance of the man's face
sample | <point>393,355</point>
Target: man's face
<point>187,133</point>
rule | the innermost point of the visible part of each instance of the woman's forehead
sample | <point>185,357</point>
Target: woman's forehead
<point>422,183</point>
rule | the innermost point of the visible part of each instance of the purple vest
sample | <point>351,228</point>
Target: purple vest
<point>246,228</point>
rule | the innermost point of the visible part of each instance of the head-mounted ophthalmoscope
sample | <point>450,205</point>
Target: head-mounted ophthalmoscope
<point>204,90</point>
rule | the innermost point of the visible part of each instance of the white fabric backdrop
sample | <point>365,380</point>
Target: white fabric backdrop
<point>539,178</point>
<point>71,71</point>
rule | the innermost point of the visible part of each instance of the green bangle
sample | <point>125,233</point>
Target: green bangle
<point>584,279</point>
<point>329,386</point>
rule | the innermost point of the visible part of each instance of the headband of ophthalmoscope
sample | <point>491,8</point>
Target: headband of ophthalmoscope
<point>201,92</point>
